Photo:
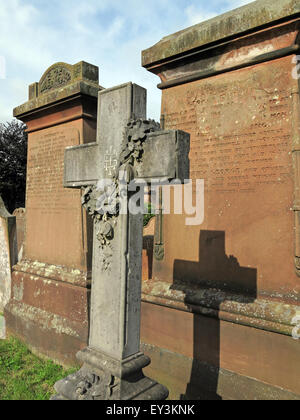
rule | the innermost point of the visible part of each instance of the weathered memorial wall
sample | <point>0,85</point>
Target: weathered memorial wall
<point>219,313</point>
<point>50,293</point>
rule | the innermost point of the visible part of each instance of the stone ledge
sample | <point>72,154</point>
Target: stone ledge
<point>259,313</point>
<point>234,23</point>
<point>82,88</point>
<point>188,378</point>
<point>60,81</point>
<point>121,369</point>
<point>46,321</point>
<point>54,272</point>
<point>46,335</point>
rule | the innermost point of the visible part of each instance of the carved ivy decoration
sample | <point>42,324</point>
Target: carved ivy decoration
<point>135,135</point>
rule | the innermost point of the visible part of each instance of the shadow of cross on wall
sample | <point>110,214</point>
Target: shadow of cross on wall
<point>214,272</point>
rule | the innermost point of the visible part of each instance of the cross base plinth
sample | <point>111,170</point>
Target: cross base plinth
<point>104,378</point>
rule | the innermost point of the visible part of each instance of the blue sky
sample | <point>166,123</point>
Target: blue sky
<point>111,34</point>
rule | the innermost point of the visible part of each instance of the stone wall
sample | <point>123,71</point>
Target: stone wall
<point>49,306</point>
<point>8,253</point>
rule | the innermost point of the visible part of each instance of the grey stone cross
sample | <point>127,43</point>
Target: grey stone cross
<point>126,144</point>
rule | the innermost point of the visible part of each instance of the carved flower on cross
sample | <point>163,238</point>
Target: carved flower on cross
<point>89,200</point>
<point>105,233</point>
<point>107,196</point>
<point>137,131</point>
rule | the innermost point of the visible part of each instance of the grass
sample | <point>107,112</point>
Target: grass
<point>149,213</point>
<point>24,376</point>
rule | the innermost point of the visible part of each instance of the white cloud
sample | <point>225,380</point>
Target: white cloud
<point>231,4</point>
<point>196,15</point>
<point>21,35</point>
<point>34,34</point>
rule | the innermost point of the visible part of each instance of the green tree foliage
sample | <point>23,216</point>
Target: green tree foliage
<point>13,158</point>
<point>148,214</point>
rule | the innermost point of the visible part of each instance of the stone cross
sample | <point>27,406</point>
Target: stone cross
<point>127,144</point>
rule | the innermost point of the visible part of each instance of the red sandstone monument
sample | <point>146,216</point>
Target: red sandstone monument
<point>50,285</point>
<point>219,313</point>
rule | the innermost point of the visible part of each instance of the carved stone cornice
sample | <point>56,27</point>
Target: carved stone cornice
<point>262,313</point>
<point>60,82</point>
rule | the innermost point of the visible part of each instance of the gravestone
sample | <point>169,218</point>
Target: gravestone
<point>128,149</point>
<point>20,215</point>
<point>8,257</point>
<point>225,293</point>
<point>51,284</point>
